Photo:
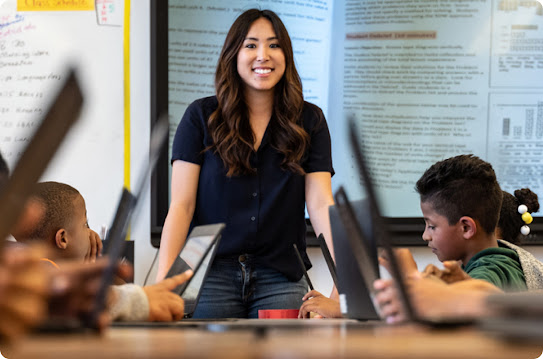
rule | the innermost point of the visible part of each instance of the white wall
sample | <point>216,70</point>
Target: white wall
<point>140,110</point>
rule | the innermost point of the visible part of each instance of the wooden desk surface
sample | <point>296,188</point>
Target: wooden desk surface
<point>319,342</point>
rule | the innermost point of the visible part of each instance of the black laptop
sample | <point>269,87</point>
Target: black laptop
<point>127,208</point>
<point>328,258</point>
<point>356,269</point>
<point>382,238</point>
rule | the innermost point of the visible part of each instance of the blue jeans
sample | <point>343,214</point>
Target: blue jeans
<point>237,287</point>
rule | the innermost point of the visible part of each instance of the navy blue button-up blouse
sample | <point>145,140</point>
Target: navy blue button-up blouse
<point>264,213</point>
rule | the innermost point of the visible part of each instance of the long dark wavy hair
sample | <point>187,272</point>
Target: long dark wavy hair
<point>233,138</point>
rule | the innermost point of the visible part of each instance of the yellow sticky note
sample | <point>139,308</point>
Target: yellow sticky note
<point>55,5</point>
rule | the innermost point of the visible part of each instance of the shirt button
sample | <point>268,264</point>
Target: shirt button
<point>255,194</point>
<point>253,218</point>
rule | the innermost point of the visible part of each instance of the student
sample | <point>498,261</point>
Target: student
<point>511,226</point>
<point>465,184</point>
<point>27,290</point>
<point>460,202</point>
<point>65,231</point>
<point>20,273</point>
<point>252,156</point>
<point>64,227</point>
<point>23,291</point>
<point>23,285</point>
<point>509,233</point>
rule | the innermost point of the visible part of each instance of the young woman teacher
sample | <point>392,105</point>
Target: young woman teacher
<point>252,156</point>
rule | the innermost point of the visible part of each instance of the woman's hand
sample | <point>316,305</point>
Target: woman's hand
<point>317,303</point>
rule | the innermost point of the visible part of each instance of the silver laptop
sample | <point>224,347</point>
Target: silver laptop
<point>197,254</point>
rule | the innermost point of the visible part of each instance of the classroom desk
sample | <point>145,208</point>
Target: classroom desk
<point>311,342</point>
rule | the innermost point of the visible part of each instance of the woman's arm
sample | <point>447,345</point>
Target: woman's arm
<point>318,197</point>
<point>184,186</point>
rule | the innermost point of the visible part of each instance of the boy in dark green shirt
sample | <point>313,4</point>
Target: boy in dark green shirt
<point>499,266</point>
<point>460,201</point>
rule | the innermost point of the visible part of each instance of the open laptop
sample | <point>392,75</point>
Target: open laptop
<point>353,266</point>
<point>302,266</point>
<point>59,118</point>
<point>383,240</point>
<point>197,254</point>
<point>127,208</point>
<point>328,258</point>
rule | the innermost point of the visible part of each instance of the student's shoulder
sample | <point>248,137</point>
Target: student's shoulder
<point>500,260</point>
<point>495,254</point>
<point>499,266</point>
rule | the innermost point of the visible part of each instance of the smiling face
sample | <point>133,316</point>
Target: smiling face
<point>445,240</point>
<point>260,60</point>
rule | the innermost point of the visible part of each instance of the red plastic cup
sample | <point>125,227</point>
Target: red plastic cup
<point>278,313</point>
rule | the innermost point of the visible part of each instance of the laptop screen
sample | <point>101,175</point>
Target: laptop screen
<point>128,207</point>
<point>194,287</point>
<point>355,296</point>
<point>328,258</point>
<point>380,231</point>
<point>197,254</point>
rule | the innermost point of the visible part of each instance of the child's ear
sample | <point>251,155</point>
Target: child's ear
<point>61,239</point>
<point>469,227</point>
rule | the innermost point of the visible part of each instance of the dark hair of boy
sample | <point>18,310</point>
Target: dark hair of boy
<point>510,219</point>
<point>58,200</point>
<point>463,185</point>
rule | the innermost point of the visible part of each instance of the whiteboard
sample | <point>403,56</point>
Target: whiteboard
<point>35,49</point>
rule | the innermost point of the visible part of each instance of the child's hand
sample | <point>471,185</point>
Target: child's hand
<point>95,249</point>
<point>451,273</point>
<point>388,301</point>
<point>23,290</point>
<point>432,270</point>
<point>163,304</point>
<point>74,289</point>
